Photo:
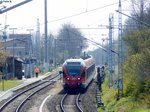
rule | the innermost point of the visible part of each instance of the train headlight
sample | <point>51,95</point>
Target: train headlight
<point>79,78</point>
<point>67,78</point>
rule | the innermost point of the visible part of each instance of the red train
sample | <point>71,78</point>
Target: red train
<point>78,73</point>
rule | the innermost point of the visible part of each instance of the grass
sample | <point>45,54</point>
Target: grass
<point>124,104</point>
<point>7,84</point>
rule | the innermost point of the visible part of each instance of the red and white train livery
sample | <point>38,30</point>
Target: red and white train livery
<point>78,73</point>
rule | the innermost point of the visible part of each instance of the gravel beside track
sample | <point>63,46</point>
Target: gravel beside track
<point>34,104</point>
<point>53,105</point>
<point>69,103</point>
<point>88,100</point>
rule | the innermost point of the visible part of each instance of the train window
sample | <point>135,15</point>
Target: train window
<point>73,63</point>
<point>83,74</point>
<point>73,70</point>
<point>90,70</point>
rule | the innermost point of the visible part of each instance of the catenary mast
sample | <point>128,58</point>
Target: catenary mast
<point>120,51</point>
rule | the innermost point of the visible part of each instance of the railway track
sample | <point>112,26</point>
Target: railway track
<point>17,101</point>
<point>70,103</point>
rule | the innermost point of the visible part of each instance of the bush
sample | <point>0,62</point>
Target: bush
<point>136,75</point>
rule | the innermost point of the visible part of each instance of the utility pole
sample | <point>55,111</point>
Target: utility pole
<point>30,43</point>
<point>5,68</point>
<point>37,42</point>
<point>55,50</point>
<point>46,64</point>
<point>13,29</point>
<point>120,50</point>
<point>103,51</point>
<point>45,12</point>
<point>109,52</point>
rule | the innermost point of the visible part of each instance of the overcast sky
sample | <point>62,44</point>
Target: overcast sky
<point>25,17</point>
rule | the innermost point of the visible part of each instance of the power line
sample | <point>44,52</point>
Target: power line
<point>85,12</point>
<point>74,15</point>
<point>142,22</point>
<point>102,47</point>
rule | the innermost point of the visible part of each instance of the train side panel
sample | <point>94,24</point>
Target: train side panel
<point>90,73</point>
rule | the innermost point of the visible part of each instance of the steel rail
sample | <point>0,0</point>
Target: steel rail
<point>77,103</point>
<point>61,103</point>
<point>24,91</point>
<point>29,96</point>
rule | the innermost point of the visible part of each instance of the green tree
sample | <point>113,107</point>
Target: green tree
<point>70,41</point>
<point>141,12</point>
<point>137,64</point>
<point>3,57</point>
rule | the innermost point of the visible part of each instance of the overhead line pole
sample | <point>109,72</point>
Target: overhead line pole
<point>30,50</point>
<point>102,51</point>
<point>109,52</point>
<point>38,44</point>
<point>45,12</point>
<point>13,29</point>
<point>120,57</point>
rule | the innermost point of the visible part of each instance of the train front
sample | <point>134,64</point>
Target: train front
<point>73,73</point>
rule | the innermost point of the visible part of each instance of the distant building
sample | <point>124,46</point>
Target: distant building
<point>20,47</point>
<point>21,43</point>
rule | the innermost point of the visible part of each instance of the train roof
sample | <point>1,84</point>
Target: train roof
<point>74,62</point>
<point>79,61</point>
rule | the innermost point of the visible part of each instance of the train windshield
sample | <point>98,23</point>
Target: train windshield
<point>73,70</point>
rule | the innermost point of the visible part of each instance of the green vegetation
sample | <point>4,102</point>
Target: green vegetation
<point>136,65</point>
<point>125,104</point>
<point>136,72</point>
<point>69,43</point>
<point>3,57</point>
<point>9,84</point>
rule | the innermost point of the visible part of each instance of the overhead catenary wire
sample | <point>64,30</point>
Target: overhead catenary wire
<point>98,44</point>
<point>84,12</point>
<point>74,15</point>
<point>142,22</point>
